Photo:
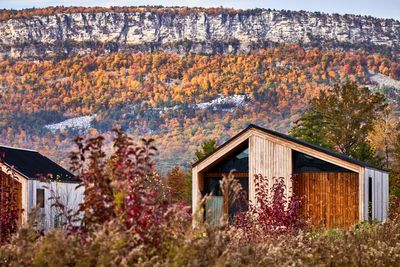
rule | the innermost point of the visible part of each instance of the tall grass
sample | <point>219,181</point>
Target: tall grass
<point>127,220</point>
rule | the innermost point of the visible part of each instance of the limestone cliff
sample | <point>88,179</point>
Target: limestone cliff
<point>198,32</point>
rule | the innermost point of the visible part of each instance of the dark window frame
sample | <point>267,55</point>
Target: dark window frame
<point>303,162</point>
<point>370,198</point>
<point>232,161</point>
<point>40,198</point>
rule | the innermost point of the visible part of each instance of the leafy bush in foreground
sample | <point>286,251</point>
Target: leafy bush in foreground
<point>112,244</point>
<point>125,189</point>
<point>128,221</point>
<point>272,213</point>
<point>8,211</point>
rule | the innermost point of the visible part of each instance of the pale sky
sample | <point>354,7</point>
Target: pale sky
<point>376,8</point>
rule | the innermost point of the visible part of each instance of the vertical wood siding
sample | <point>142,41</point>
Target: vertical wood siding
<point>385,194</point>
<point>195,192</point>
<point>330,199</point>
<point>380,194</point>
<point>15,196</point>
<point>67,193</point>
<point>270,159</point>
<point>271,156</point>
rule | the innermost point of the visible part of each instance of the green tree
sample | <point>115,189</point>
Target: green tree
<point>396,150</point>
<point>207,147</point>
<point>394,178</point>
<point>179,185</point>
<point>365,152</point>
<point>311,128</point>
<point>341,118</point>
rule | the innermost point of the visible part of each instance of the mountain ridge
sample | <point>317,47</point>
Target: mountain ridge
<point>178,75</point>
<point>6,14</point>
<point>189,30</point>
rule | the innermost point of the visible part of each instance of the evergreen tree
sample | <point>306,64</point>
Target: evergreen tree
<point>341,118</point>
<point>311,127</point>
<point>207,147</point>
<point>365,152</point>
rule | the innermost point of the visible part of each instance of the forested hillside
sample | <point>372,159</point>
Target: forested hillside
<point>128,98</point>
<point>180,100</point>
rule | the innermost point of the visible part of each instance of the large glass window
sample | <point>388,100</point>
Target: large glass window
<point>305,163</point>
<point>215,203</point>
<point>238,161</point>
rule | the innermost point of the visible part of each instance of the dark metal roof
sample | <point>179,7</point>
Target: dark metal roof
<point>31,163</point>
<point>298,141</point>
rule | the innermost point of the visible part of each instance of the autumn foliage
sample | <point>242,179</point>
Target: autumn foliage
<point>135,225</point>
<point>26,13</point>
<point>272,213</point>
<point>91,83</point>
<point>123,187</point>
<point>9,211</point>
<point>131,91</point>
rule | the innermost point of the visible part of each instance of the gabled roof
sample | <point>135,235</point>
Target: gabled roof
<point>31,163</point>
<point>298,141</point>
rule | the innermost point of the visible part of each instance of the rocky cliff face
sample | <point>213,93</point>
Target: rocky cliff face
<point>61,34</point>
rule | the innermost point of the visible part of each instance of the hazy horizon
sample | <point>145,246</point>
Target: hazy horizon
<point>380,9</point>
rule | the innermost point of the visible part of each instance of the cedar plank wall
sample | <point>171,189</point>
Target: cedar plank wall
<point>270,159</point>
<point>5,182</point>
<point>274,160</point>
<point>287,157</point>
<point>330,199</point>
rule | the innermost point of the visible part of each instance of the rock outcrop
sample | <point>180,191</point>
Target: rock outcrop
<point>197,32</point>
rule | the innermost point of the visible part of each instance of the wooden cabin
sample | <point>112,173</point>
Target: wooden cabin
<point>337,191</point>
<point>22,168</point>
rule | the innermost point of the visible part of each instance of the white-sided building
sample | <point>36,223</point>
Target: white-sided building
<point>23,169</point>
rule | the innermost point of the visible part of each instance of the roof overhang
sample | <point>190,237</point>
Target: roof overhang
<point>9,170</point>
<point>13,172</point>
<point>285,140</point>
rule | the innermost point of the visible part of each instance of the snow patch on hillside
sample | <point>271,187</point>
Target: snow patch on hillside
<point>235,100</point>
<point>78,123</point>
<point>383,80</point>
<point>225,103</point>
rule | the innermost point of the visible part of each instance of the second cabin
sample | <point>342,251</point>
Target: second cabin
<point>337,191</point>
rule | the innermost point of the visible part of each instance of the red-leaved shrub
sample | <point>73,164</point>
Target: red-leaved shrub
<point>124,187</point>
<point>272,213</point>
<point>394,207</point>
<point>9,210</point>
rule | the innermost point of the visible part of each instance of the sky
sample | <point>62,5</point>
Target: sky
<point>376,8</point>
